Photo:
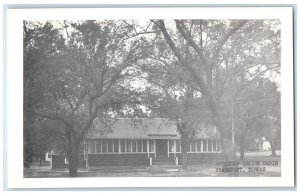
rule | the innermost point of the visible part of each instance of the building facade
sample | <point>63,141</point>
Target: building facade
<point>148,142</point>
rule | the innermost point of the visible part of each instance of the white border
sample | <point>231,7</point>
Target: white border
<point>15,94</point>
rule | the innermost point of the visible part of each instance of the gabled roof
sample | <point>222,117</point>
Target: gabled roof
<point>157,128</point>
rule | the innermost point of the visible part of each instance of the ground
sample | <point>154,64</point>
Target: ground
<point>260,164</point>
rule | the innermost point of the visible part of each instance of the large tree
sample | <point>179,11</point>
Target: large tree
<point>224,49</point>
<point>215,55</point>
<point>81,82</point>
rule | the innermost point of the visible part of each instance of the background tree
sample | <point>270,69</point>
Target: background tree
<point>223,49</point>
<point>214,55</point>
<point>83,81</point>
<point>257,111</point>
<point>40,41</point>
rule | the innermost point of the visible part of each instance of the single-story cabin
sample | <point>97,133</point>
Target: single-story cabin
<point>147,142</point>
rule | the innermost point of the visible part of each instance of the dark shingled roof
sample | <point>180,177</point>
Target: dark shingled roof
<point>157,128</point>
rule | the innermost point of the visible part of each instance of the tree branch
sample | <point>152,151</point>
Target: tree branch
<point>42,115</point>
<point>226,36</point>
<point>80,100</point>
<point>139,33</point>
<point>198,79</point>
<point>183,31</point>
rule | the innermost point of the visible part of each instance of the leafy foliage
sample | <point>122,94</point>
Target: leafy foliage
<point>87,73</point>
<point>78,79</point>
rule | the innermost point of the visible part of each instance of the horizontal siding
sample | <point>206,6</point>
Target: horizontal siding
<point>58,161</point>
<point>118,159</point>
<point>200,158</point>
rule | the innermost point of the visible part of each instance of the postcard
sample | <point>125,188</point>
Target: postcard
<point>150,97</point>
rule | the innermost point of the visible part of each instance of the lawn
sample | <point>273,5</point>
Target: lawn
<point>256,164</point>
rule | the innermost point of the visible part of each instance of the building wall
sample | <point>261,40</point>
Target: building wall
<point>58,161</point>
<point>201,158</point>
<point>122,159</point>
<point>113,153</point>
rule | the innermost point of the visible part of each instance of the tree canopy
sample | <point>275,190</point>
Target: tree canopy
<point>79,73</point>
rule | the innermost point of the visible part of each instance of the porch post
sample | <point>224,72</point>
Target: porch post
<point>201,145</point>
<point>142,143</point>
<point>168,148</point>
<point>148,147</point>
<point>175,149</point>
<point>51,161</point>
<point>207,145</point>
<point>119,145</point>
<point>107,145</point>
<point>85,153</point>
<point>125,143</point>
<point>155,148</point>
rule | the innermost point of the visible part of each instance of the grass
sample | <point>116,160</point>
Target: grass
<point>203,170</point>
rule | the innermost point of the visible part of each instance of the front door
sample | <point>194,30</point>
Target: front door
<point>161,148</point>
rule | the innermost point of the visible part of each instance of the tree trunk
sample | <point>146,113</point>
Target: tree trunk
<point>73,159</point>
<point>273,139</point>
<point>273,149</point>
<point>228,148</point>
<point>185,146</point>
<point>242,145</point>
<point>41,160</point>
<point>242,151</point>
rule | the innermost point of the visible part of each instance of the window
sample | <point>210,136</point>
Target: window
<point>218,145</point>
<point>98,146</point>
<point>139,146</point>
<point>133,145</point>
<point>128,145</point>
<point>178,146</point>
<point>144,145</point>
<point>194,145</point>
<point>171,146</point>
<point>91,145</point>
<point>198,145</point>
<point>110,145</point>
<point>122,145</point>
<point>104,146</point>
<point>209,142</point>
<point>116,146</point>
<point>151,145</point>
<point>214,148</point>
<point>204,145</point>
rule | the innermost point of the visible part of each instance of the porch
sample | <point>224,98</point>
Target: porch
<point>136,152</point>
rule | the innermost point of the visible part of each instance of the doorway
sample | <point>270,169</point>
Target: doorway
<point>162,148</point>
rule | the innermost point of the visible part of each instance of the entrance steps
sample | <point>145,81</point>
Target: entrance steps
<point>165,168</point>
<point>163,161</point>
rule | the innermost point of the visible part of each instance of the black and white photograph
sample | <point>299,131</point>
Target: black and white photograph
<point>153,97</point>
